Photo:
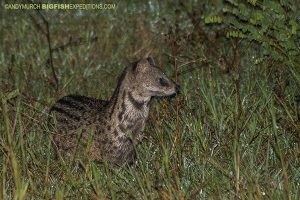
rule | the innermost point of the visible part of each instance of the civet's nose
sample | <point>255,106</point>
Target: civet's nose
<point>177,89</point>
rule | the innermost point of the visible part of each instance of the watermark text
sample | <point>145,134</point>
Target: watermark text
<point>60,6</point>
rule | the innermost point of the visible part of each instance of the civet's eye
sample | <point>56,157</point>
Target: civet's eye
<point>163,82</point>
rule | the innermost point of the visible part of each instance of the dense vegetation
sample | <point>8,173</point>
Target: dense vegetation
<point>234,131</point>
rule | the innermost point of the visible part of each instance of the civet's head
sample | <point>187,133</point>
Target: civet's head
<point>150,81</point>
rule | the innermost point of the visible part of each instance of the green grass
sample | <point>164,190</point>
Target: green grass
<point>238,134</point>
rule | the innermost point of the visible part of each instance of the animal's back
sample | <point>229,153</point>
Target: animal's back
<point>70,114</point>
<point>73,111</point>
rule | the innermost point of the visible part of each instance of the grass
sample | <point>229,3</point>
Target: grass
<point>239,135</point>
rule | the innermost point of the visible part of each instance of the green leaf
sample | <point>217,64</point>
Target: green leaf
<point>233,2</point>
<point>252,2</point>
<point>274,6</point>
<point>294,25</point>
<point>213,19</point>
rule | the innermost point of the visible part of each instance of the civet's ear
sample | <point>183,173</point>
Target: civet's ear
<point>151,61</point>
<point>142,65</point>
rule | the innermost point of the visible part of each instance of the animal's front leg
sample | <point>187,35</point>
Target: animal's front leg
<point>138,138</point>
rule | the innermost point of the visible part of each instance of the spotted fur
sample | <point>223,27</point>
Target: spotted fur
<point>110,129</point>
